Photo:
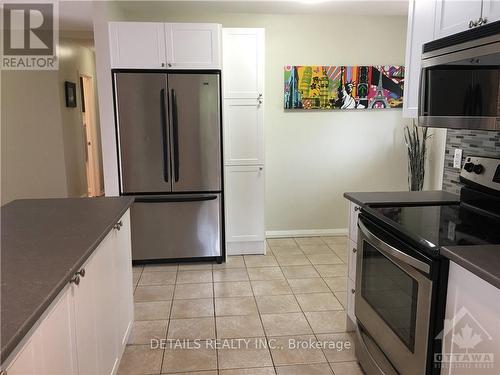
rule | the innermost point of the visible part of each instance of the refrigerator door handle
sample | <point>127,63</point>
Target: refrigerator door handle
<point>164,134</point>
<point>175,131</point>
<point>167,199</point>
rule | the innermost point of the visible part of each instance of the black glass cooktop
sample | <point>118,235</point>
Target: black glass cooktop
<point>446,225</point>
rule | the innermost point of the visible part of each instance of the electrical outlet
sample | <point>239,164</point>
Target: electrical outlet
<point>457,159</point>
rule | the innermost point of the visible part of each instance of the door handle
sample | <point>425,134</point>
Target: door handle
<point>164,134</point>
<point>171,199</point>
<point>175,131</point>
<point>389,250</point>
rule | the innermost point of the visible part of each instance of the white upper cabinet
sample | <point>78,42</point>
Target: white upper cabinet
<point>139,45</point>
<point>454,16</point>
<point>155,45</point>
<point>491,10</point>
<point>243,132</point>
<point>420,30</point>
<point>193,45</point>
<point>244,63</point>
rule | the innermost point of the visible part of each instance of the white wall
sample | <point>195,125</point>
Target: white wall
<point>43,150</point>
<point>312,158</point>
<point>32,141</point>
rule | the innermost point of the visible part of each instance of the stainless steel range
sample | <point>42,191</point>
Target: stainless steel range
<point>401,279</point>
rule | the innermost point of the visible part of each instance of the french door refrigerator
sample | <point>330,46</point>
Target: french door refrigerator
<point>170,159</point>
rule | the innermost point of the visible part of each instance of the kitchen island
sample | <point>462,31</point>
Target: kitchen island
<point>64,255</point>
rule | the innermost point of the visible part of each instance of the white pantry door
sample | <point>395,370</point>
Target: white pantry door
<point>243,63</point>
<point>245,203</point>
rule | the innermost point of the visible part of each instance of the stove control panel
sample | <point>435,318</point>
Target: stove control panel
<point>482,171</point>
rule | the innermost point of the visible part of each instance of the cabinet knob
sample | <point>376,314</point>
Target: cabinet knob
<point>481,21</point>
<point>118,225</point>
<point>472,24</point>
<point>354,250</point>
<point>357,208</point>
<point>353,291</point>
<point>261,168</point>
<point>169,65</point>
<point>81,272</point>
<point>75,280</point>
<point>162,64</point>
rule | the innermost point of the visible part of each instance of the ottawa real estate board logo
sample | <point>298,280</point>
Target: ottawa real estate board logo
<point>30,35</point>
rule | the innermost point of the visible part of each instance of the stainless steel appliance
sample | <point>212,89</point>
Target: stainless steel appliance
<point>460,80</point>
<point>401,278</point>
<point>169,149</point>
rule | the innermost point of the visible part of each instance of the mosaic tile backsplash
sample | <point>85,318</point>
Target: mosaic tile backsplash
<point>472,142</point>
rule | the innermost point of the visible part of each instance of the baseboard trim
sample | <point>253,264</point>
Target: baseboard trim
<point>306,233</point>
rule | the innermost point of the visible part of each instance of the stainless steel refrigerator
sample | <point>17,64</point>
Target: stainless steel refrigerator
<point>170,159</point>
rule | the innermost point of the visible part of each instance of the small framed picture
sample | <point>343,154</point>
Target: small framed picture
<point>70,91</point>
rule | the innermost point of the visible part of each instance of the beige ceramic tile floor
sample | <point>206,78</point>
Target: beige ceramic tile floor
<point>295,293</point>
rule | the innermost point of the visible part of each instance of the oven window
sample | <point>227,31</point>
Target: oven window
<point>391,292</point>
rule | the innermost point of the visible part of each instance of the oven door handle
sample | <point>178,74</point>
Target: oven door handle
<point>391,251</point>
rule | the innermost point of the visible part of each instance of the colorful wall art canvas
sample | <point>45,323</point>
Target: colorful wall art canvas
<point>343,87</point>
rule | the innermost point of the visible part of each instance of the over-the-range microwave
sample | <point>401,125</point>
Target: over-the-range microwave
<point>460,80</point>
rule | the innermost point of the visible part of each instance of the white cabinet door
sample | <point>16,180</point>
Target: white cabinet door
<point>454,16</point>
<point>137,45</point>
<point>245,203</point>
<point>85,305</point>
<point>351,297</point>
<point>57,337</point>
<point>420,30</point>
<point>105,291</point>
<point>243,63</point>
<point>193,45</point>
<point>472,311</point>
<point>243,132</point>
<point>124,292</point>
<point>96,311</point>
<point>353,221</point>
<point>351,259</point>
<point>51,349</point>
<point>491,10</point>
<point>28,360</point>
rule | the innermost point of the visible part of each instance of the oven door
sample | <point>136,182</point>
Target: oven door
<point>392,306</point>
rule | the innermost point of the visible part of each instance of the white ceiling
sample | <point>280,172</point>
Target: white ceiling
<point>76,15</point>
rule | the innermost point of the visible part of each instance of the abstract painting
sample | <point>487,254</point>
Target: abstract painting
<point>343,87</point>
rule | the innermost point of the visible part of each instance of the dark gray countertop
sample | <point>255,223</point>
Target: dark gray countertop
<point>481,260</point>
<point>44,242</point>
<point>402,197</point>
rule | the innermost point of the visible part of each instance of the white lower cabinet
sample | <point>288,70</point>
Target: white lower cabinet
<point>51,350</point>
<point>245,208</point>
<point>350,299</point>
<point>85,301</point>
<point>124,285</point>
<point>471,334</point>
<point>351,260</point>
<point>85,329</point>
<point>353,221</point>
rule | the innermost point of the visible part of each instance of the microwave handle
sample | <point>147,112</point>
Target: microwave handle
<point>421,94</point>
<point>391,251</point>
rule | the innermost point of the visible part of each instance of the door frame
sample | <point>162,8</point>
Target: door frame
<point>90,132</point>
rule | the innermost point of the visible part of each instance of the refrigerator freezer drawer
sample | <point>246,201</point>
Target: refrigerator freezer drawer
<point>176,226</point>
